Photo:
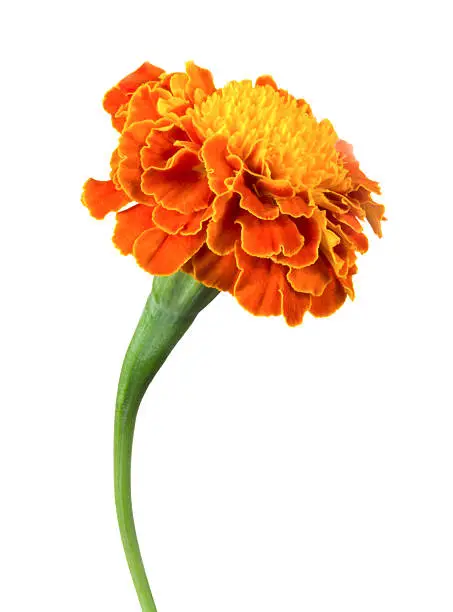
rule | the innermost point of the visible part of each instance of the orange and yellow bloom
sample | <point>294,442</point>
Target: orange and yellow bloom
<point>240,187</point>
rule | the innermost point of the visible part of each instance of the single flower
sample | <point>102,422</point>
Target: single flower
<point>240,187</point>
<point>236,189</point>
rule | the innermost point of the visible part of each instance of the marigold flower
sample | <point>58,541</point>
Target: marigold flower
<point>237,189</point>
<point>241,187</point>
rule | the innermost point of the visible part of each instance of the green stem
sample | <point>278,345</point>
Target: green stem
<point>170,310</point>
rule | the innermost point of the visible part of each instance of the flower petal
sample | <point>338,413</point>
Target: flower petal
<point>264,238</point>
<point>216,271</point>
<point>263,208</point>
<point>258,286</point>
<point>374,214</point>
<point>162,254</point>
<point>310,279</point>
<point>223,231</point>
<point>160,148</point>
<point>295,305</point>
<point>332,298</point>
<point>146,72</point>
<point>199,78</point>
<point>119,95</point>
<point>173,222</point>
<point>277,187</point>
<point>143,105</point>
<point>130,169</point>
<point>311,232</point>
<point>296,206</point>
<point>178,82</point>
<point>215,155</point>
<point>266,79</point>
<point>130,224</point>
<point>179,187</point>
<point>102,197</point>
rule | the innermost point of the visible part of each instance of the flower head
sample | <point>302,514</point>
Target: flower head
<point>241,187</point>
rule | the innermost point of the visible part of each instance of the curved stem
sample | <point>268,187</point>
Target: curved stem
<point>124,435</point>
<point>170,310</point>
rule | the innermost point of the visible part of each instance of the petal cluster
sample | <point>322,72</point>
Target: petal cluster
<point>241,187</point>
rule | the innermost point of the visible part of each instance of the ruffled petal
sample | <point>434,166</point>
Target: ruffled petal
<point>216,271</point>
<point>117,98</point>
<point>160,148</point>
<point>296,206</point>
<point>178,82</point>
<point>223,231</point>
<point>258,288</point>
<point>220,164</point>
<point>264,238</point>
<point>199,78</point>
<point>277,187</point>
<point>357,239</point>
<point>130,224</point>
<point>294,305</point>
<point>263,208</point>
<point>311,232</point>
<point>162,254</point>
<point>332,298</point>
<point>146,72</point>
<point>143,105</point>
<point>130,169</point>
<point>179,187</point>
<point>102,197</point>
<point>310,279</point>
<point>173,222</point>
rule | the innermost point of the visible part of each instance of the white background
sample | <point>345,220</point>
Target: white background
<point>305,469</point>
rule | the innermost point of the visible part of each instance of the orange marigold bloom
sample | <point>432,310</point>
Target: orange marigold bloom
<point>241,187</point>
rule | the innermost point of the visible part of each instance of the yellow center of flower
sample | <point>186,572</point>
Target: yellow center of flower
<point>276,131</point>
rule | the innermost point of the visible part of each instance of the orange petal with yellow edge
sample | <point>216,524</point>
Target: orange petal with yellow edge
<point>277,187</point>
<point>120,94</point>
<point>199,78</point>
<point>143,105</point>
<point>294,305</point>
<point>264,238</point>
<point>115,103</point>
<point>130,224</point>
<point>296,206</point>
<point>215,153</point>
<point>216,271</point>
<point>223,231</point>
<point>358,239</point>
<point>160,148</point>
<point>332,298</point>
<point>258,286</point>
<point>146,72</point>
<point>310,279</point>
<point>310,230</point>
<point>173,222</point>
<point>102,197</point>
<point>162,254</point>
<point>179,187</point>
<point>130,169</point>
<point>263,208</point>
<point>178,82</point>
